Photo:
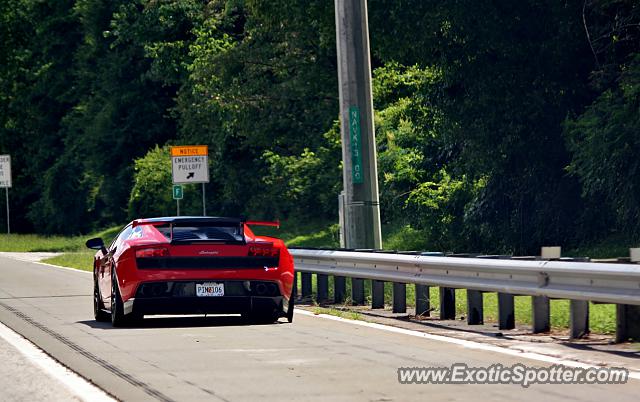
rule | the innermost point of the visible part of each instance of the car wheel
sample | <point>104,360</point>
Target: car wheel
<point>291,308</point>
<point>118,318</point>
<point>98,308</point>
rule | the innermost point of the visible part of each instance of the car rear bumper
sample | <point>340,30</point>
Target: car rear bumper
<point>179,297</point>
<point>207,305</point>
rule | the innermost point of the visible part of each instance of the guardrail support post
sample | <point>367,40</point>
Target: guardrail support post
<point>295,284</point>
<point>506,315</point>
<point>306,285</point>
<point>323,288</point>
<point>423,307</point>
<point>357,291</point>
<point>540,313</point>
<point>447,303</point>
<point>627,322</point>
<point>339,289</point>
<point>399,297</point>
<point>377,294</point>
<point>475,308</point>
<point>579,318</point>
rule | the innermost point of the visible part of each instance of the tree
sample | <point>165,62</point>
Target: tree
<point>262,90</point>
<point>511,71</point>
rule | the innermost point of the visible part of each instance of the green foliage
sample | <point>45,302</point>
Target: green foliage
<point>303,233</point>
<point>605,145</point>
<point>38,43</point>
<point>500,127</point>
<point>404,237</point>
<point>259,92</point>
<point>152,190</point>
<point>310,179</point>
<point>411,148</point>
<point>440,210</point>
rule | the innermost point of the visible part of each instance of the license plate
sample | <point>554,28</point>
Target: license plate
<point>209,289</point>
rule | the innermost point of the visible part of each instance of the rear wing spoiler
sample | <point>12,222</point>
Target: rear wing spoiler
<point>263,223</point>
<point>187,221</point>
<point>174,222</point>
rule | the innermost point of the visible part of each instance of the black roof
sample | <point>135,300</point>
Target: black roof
<point>185,220</point>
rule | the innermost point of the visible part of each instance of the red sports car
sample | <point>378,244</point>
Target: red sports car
<point>192,265</point>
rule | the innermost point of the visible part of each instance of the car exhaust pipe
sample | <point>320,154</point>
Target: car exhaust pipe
<point>273,289</point>
<point>158,289</point>
<point>261,289</point>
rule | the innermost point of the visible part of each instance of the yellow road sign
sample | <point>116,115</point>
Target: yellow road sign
<point>190,150</point>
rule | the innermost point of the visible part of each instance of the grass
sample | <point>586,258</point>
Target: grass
<point>75,254</point>
<point>82,258</point>
<point>352,315</point>
<point>79,260</point>
<point>403,238</point>
<point>39,243</point>
<point>31,243</point>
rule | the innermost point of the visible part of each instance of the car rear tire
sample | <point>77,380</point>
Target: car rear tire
<point>118,318</point>
<point>98,307</point>
<point>291,308</point>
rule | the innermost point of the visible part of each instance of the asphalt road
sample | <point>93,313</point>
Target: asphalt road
<point>219,358</point>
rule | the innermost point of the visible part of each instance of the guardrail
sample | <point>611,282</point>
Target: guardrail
<point>579,281</point>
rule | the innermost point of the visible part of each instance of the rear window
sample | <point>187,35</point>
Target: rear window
<point>202,233</point>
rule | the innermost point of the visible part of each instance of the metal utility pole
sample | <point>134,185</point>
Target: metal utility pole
<point>360,173</point>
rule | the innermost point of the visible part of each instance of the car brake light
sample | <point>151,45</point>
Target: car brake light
<point>263,251</point>
<point>152,252</point>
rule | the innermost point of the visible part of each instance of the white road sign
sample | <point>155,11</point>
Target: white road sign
<point>190,164</point>
<point>5,171</point>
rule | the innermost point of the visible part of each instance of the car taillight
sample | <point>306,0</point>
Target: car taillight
<point>263,251</point>
<point>152,252</point>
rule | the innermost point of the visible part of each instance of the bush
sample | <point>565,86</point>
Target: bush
<point>151,193</point>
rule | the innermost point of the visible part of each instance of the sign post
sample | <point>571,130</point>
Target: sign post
<point>190,164</point>
<point>5,181</point>
<point>178,194</point>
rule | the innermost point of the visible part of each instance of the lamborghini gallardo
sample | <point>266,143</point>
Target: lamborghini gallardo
<point>192,265</point>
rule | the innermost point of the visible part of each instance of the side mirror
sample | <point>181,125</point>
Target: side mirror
<point>95,244</point>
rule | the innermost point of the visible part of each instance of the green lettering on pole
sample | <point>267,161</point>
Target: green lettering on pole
<point>177,192</point>
<point>357,173</point>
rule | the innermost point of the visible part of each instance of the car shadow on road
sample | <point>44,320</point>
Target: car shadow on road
<point>177,322</point>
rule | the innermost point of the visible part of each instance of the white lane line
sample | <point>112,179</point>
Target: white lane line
<point>61,267</point>
<point>76,384</point>
<point>463,342</point>
<point>18,258</point>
